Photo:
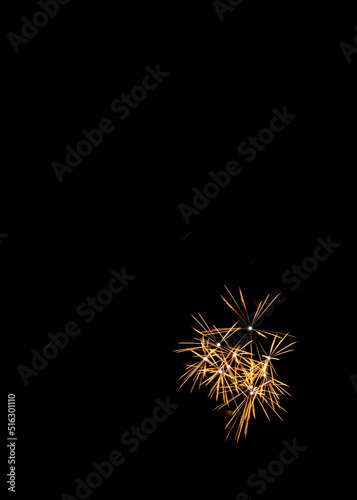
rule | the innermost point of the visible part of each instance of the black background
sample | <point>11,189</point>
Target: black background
<point>119,208</point>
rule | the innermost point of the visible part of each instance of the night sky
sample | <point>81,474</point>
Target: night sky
<point>162,151</point>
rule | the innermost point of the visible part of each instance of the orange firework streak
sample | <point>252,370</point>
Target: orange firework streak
<point>243,376</point>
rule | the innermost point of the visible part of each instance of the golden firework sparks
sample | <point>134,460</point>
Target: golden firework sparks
<point>243,375</point>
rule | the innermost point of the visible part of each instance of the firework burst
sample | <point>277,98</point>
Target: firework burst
<point>239,370</point>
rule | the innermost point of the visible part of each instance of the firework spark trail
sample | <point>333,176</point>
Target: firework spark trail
<point>242,376</point>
